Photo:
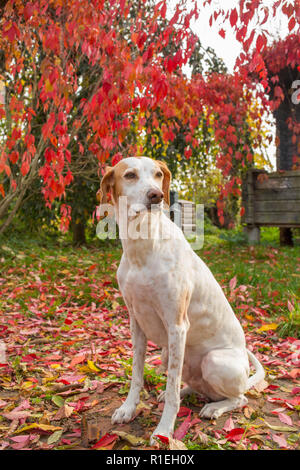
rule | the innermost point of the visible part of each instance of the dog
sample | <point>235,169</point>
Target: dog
<point>173,300</point>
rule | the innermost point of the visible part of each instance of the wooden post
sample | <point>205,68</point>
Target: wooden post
<point>253,234</point>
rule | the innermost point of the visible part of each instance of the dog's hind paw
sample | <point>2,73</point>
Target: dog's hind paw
<point>216,409</point>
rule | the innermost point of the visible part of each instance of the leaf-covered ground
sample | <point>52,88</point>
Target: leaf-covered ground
<point>65,351</point>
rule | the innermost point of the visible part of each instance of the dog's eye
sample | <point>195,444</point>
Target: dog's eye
<point>130,175</point>
<point>159,174</point>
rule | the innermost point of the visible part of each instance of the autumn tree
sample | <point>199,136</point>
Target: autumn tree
<point>138,79</point>
<point>48,102</point>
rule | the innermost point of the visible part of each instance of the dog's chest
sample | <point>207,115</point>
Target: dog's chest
<point>142,291</point>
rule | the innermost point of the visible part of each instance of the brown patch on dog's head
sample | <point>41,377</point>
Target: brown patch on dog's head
<point>166,181</point>
<point>112,182</point>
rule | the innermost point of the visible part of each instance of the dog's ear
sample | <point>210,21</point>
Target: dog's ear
<point>166,180</point>
<point>106,184</point>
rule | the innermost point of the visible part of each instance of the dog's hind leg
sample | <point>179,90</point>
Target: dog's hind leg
<point>225,374</point>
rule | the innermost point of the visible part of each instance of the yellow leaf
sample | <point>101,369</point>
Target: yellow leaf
<point>92,366</point>
<point>133,440</point>
<point>279,428</point>
<point>27,384</point>
<point>249,317</point>
<point>142,406</point>
<point>48,85</point>
<point>43,427</point>
<point>55,366</point>
<point>269,326</point>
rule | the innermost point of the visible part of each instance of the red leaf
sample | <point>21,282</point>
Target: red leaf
<point>14,156</point>
<point>222,33</point>
<point>163,439</point>
<point>21,441</point>
<point>105,440</point>
<point>294,373</point>
<point>232,283</point>
<point>233,17</point>
<point>294,401</point>
<point>25,168</point>
<point>163,10</point>
<point>183,428</point>
<point>235,435</point>
<point>292,23</point>
<point>116,158</point>
<point>261,41</point>
<point>77,360</point>
<point>280,439</point>
<point>285,419</point>
<point>228,425</point>
<point>28,11</point>
<point>183,411</point>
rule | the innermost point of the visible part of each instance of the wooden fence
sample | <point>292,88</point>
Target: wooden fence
<point>270,199</point>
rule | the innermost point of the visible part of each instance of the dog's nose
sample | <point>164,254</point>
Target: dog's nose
<point>155,196</point>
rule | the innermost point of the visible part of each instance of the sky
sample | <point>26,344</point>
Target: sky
<point>229,48</point>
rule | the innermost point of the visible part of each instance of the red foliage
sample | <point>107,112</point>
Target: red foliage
<point>137,78</point>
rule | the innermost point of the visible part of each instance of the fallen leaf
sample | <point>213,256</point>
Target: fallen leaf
<point>15,415</point>
<point>37,426</point>
<point>280,440</point>
<point>92,366</point>
<point>228,425</point>
<point>163,439</point>
<point>105,440</point>
<point>267,327</point>
<point>55,436</point>
<point>262,385</point>
<point>59,401</point>
<point>133,440</point>
<point>284,418</point>
<point>181,431</point>
<point>77,360</point>
<point>64,412</point>
<point>175,444</point>
<point>235,435</point>
<point>21,441</point>
<point>280,428</point>
<point>184,411</point>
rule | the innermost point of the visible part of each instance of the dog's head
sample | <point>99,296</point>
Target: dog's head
<point>143,181</point>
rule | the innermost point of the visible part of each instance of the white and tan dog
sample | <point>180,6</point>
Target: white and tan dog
<point>174,300</point>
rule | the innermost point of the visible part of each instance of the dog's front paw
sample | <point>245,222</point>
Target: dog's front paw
<point>123,414</point>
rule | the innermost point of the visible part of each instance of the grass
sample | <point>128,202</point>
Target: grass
<point>270,273</point>
<point>43,276</point>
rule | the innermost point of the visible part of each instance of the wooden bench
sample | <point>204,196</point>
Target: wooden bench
<point>270,199</point>
<point>184,214</point>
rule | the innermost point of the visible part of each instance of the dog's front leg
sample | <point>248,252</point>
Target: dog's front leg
<point>176,348</point>
<point>126,412</point>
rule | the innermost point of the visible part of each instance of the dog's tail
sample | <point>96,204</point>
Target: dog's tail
<point>259,371</point>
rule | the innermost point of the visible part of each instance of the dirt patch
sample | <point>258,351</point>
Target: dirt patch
<point>260,418</point>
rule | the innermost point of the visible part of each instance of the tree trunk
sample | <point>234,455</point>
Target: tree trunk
<point>78,230</point>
